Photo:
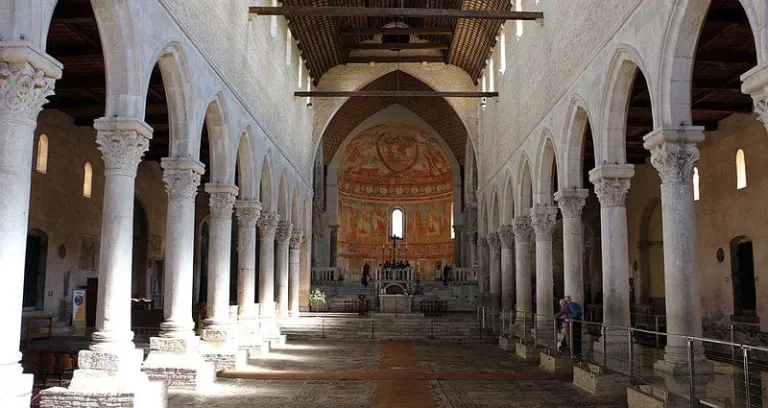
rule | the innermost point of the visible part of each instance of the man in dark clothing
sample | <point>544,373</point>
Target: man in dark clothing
<point>574,313</point>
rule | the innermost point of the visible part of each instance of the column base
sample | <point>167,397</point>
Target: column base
<point>178,362</point>
<point>248,332</point>
<point>680,368</point>
<point>594,380</point>
<point>16,390</point>
<point>218,347</point>
<point>107,379</point>
<point>269,329</point>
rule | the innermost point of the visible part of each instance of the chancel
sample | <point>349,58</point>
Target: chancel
<point>540,203</point>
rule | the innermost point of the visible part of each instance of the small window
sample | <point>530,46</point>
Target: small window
<point>300,79</point>
<point>453,233</point>
<point>741,170</point>
<point>273,22</point>
<point>519,28</point>
<point>502,51</point>
<point>288,46</point>
<point>87,180</point>
<point>397,223</point>
<point>491,76</point>
<point>41,164</point>
<point>696,184</point>
<point>485,83</point>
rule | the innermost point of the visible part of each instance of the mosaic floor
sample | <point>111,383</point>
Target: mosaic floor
<point>389,374</point>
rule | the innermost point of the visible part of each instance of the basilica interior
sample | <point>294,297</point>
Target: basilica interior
<point>459,203</point>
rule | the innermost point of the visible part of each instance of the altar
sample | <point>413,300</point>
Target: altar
<point>395,303</point>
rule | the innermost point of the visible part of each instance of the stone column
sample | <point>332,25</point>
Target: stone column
<point>458,259</point>
<point>26,79</point>
<point>247,213</point>
<point>495,270</point>
<point>571,202</point>
<point>267,227</point>
<point>294,281</point>
<point>334,235</point>
<point>482,271</point>
<point>521,226</point>
<point>673,154</point>
<point>507,239</point>
<point>543,221</point>
<point>182,178</point>
<point>472,239</point>
<point>611,186</point>
<point>222,199</point>
<point>282,240</point>
<point>755,83</point>
<point>198,269</point>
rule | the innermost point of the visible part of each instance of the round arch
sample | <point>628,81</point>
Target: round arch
<point>546,169</point>
<point>578,120</point>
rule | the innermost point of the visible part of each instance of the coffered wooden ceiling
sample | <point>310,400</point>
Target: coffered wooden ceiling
<point>327,41</point>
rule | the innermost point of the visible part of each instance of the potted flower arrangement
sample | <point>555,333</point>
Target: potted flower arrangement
<point>317,301</point>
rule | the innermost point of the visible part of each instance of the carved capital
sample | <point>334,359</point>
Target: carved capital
<point>612,183</point>
<point>675,162</point>
<point>571,201</point>
<point>482,242</point>
<point>543,221</point>
<point>283,233</point>
<point>755,83</point>
<point>521,226</point>
<point>122,143</point>
<point>181,178</point>
<point>222,200</point>
<point>493,241</point>
<point>247,213</point>
<point>297,238</point>
<point>268,225</point>
<point>24,90</point>
<point>506,236</point>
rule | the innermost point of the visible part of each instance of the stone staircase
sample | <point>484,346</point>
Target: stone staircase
<point>414,326</point>
<point>341,291</point>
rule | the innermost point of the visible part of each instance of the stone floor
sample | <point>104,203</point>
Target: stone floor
<point>389,374</point>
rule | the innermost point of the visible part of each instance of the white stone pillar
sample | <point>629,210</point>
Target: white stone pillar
<point>294,281</point>
<point>282,241</point>
<point>482,271</point>
<point>267,228</point>
<point>521,226</point>
<point>543,221</point>
<point>611,186</point>
<point>495,270</point>
<point>755,83</point>
<point>122,142</point>
<point>26,79</point>
<point>222,200</point>
<point>571,202</point>
<point>507,239</point>
<point>673,154</point>
<point>182,178</point>
<point>247,213</point>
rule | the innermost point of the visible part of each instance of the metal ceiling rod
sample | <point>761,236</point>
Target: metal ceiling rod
<point>395,12</point>
<point>389,94</point>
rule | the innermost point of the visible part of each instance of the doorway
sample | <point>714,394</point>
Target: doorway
<point>34,270</point>
<point>743,279</point>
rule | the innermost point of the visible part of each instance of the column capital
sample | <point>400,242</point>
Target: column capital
<point>27,79</point>
<point>457,229</point>
<point>481,241</point>
<point>521,226</point>
<point>283,233</point>
<point>612,183</point>
<point>333,228</point>
<point>543,221</point>
<point>181,177</point>
<point>571,201</point>
<point>122,143</point>
<point>297,238</point>
<point>493,241</point>
<point>506,236</point>
<point>247,213</point>
<point>755,83</point>
<point>674,152</point>
<point>268,225</point>
<point>222,199</point>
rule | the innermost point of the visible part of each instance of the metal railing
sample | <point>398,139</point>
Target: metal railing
<point>375,329</point>
<point>692,369</point>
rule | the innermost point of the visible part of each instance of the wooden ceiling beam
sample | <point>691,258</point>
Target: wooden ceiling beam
<point>394,12</point>
<point>393,59</point>
<point>388,94</point>
<point>409,46</point>
<point>347,32</point>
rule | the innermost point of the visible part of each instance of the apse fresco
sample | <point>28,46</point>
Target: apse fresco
<point>395,165</point>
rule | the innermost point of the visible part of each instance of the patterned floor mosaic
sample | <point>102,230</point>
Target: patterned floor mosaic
<point>379,375</point>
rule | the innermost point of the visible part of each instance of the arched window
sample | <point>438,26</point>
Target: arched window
<point>87,180</point>
<point>741,170</point>
<point>519,23</point>
<point>398,223</point>
<point>453,233</point>
<point>696,184</point>
<point>42,154</point>
<point>491,76</point>
<point>502,51</point>
<point>301,73</point>
<point>288,46</point>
